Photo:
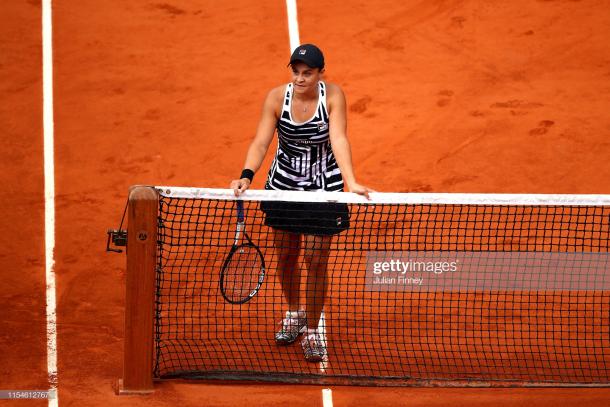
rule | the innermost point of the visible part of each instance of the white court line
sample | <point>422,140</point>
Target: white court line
<point>49,197</point>
<point>293,24</point>
<point>322,331</point>
<point>327,397</point>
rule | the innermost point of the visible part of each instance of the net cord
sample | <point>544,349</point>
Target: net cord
<point>388,198</point>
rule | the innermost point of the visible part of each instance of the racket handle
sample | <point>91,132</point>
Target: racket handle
<point>240,211</point>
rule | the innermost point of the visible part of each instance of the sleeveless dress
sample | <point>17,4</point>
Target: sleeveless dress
<point>304,161</point>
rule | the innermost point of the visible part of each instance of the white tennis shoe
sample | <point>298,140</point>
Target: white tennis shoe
<point>314,346</point>
<point>293,325</point>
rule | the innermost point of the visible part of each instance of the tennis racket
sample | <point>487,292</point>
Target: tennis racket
<point>243,271</point>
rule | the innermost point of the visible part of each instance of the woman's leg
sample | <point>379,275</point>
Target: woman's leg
<point>287,246</point>
<point>316,252</point>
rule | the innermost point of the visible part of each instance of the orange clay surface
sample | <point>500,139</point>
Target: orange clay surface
<point>444,96</point>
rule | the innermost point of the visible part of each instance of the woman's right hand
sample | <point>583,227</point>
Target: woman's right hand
<point>239,185</point>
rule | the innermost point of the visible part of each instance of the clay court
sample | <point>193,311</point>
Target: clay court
<point>443,96</point>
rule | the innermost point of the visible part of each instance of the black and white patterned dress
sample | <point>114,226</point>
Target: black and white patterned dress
<point>304,161</point>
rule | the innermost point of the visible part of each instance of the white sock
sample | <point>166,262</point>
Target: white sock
<point>295,314</point>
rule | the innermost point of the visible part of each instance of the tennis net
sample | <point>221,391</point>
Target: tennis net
<point>421,288</point>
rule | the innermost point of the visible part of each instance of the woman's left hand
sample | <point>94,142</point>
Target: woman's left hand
<point>360,189</point>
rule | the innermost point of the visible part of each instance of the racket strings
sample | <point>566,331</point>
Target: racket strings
<point>242,272</point>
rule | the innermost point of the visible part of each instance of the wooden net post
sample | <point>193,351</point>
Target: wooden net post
<point>139,299</point>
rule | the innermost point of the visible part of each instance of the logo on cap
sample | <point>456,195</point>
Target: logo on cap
<point>302,51</point>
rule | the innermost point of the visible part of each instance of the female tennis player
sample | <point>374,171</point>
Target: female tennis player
<point>313,154</point>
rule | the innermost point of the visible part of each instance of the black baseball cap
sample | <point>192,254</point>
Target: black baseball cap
<point>309,54</point>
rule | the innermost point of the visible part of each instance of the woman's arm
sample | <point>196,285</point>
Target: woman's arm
<point>338,139</point>
<point>260,144</point>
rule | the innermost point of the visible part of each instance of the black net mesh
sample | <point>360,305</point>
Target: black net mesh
<point>547,332</point>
